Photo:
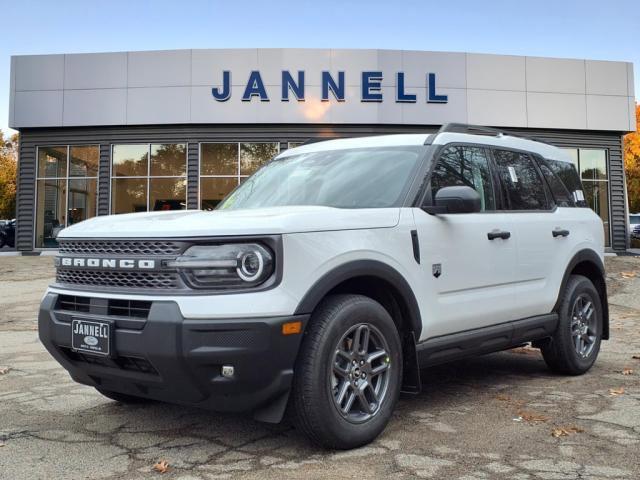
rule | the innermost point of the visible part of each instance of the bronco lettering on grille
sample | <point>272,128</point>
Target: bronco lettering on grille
<point>106,263</point>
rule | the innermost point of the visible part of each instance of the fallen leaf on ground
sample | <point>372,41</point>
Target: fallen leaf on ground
<point>636,357</point>
<point>4,370</point>
<point>614,392</point>
<point>565,431</point>
<point>627,371</point>
<point>628,274</point>
<point>161,466</point>
<point>532,417</point>
<point>2,444</point>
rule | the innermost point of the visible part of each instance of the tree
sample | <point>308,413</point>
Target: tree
<point>632,165</point>
<point>8,176</point>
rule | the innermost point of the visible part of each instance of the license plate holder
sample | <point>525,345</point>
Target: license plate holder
<point>93,337</point>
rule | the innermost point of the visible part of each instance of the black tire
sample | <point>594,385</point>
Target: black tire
<point>122,397</point>
<point>2,241</point>
<point>561,353</point>
<point>315,384</point>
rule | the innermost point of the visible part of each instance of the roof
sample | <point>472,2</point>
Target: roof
<point>501,140</point>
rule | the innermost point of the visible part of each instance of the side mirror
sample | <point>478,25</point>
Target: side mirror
<point>459,199</point>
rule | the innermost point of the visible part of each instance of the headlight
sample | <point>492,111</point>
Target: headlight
<point>227,266</point>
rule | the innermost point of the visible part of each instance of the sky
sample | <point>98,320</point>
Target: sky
<point>603,29</point>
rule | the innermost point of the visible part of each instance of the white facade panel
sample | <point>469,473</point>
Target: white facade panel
<point>207,65</point>
<point>105,106</point>
<point>607,112</point>
<point>12,90</point>
<point>92,71</point>
<point>39,72</point>
<point>453,111</point>
<point>607,78</point>
<point>158,105</point>
<point>632,114</point>
<point>168,68</point>
<point>497,108</point>
<point>203,110</point>
<point>556,110</point>
<point>450,67</point>
<point>496,72</point>
<point>555,75</point>
<point>175,87</point>
<point>38,108</point>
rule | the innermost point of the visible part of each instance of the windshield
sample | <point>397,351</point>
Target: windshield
<point>354,178</point>
<point>634,219</point>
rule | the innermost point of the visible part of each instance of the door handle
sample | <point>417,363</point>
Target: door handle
<point>498,234</point>
<point>558,232</point>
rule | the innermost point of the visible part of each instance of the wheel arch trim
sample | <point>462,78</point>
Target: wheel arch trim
<point>363,268</point>
<point>590,257</point>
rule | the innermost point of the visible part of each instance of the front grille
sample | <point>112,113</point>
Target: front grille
<point>120,247</point>
<point>119,279</point>
<point>132,364</point>
<point>110,307</point>
<point>129,308</point>
<point>74,304</point>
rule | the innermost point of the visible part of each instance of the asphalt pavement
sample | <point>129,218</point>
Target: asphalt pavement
<point>499,416</point>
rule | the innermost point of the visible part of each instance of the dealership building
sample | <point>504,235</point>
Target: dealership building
<point>111,133</point>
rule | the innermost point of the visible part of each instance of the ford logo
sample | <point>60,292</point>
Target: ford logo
<point>91,341</point>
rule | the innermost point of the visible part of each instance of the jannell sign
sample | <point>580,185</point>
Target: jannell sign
<point>290,86</point>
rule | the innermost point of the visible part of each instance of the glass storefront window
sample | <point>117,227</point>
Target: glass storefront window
<point>82,199</point>
<point>148,177</point>
<point>213,190</point>
<point>168,159</point>
<point>597,196</point>
<point>167,194</point>
<point>254,155</point>
<point>128,195</point>
<point>84,161</point>
<point>593,164</point>
<point>223,166</point>
<point>51,216</point>
<point>52,162</point>
<point>66,189</point>
<point>573,153</point>
<point>219,159</point>
<point>130,160</point>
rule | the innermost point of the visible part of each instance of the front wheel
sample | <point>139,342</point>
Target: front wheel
<point>574,347</point>
<point>348,373</point>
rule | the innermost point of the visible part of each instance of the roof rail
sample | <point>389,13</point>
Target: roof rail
<point>480,130</point>
<point>471,129</point>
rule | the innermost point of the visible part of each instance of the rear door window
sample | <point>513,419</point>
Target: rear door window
<point>524,188</point>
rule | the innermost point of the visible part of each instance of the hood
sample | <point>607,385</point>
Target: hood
<point>259,221</point>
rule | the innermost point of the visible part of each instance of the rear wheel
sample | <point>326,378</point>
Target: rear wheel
<point>2,241</point>
<point>574,347</point>
<point>122,397</point>
<point>348,372</point>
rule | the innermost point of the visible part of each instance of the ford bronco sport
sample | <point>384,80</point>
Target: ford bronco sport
<point>329,278</point>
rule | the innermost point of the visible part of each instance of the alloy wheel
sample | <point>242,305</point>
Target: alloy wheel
<point>583,325</point>
<point>360,373</point>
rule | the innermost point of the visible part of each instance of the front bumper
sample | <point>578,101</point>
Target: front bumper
<point>169,358</point>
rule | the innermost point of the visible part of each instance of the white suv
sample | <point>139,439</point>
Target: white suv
<point>328,279</point>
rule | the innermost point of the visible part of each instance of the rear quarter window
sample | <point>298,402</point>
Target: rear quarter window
<point>568,175</point>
